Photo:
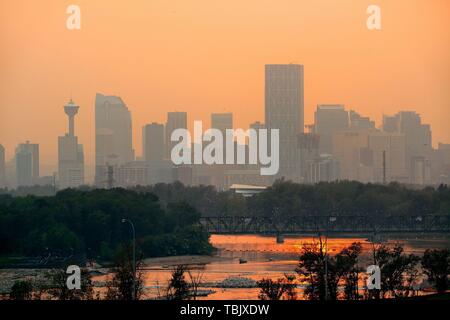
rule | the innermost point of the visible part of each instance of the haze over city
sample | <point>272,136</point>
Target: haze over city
<point>206,57</point>
<point>224,150</point>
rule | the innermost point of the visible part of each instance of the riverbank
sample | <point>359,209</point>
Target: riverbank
<point>185,260</point>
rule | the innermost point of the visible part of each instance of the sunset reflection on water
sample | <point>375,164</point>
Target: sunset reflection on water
<point>263,257</point>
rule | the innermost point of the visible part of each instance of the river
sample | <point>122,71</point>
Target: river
<point>262,257</point>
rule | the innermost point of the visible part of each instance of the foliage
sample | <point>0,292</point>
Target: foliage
<point>57,289</point>
<point>436,265</point>
<point>398,270</point>
<point>178,287</point>
<point>324,273</point>
<point>21,290</point>
<point>89,222</point>
<point>282,288</point>
<point>127,282</point>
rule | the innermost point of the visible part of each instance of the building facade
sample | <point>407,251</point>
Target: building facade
<point>284,110</point>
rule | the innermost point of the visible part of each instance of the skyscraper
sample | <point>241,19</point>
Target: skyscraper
<point>113,134</point>
<point>222,121</point>
<point>70,153</point>
<point>284,108</point>
<point>27,164</point>
<point>153,142</point>
<point>391,147</point>
<point>2,167</point>
<point>347,149</point>
<point>418,143</point>
<point>328,119</point>
<point>418,135</point>
<point>391,124</point>
<point>357,121</point>
<point>175,120</point>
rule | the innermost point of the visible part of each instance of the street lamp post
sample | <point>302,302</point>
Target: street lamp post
<point>329,219</point>
<point>134,256</point>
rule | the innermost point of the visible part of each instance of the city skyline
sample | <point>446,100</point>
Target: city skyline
<point>210,114</point>
<point>403,66</point>
<point>402,136</point>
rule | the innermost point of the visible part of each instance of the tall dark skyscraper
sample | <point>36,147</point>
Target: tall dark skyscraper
<point>284,110</point>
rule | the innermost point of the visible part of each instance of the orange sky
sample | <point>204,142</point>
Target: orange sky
<point>205,56</point>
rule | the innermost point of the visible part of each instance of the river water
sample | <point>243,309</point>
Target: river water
<point>256,257</point>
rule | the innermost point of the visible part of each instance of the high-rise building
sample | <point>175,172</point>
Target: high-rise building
<point>323,168</point>
<point>418,135</point>
<point>389,156</point>
<point>441,164</point>
<point>153,142</point>
<point>222,121</point>
<point>328,119</point>
<point>359,122</point>
<point>418,143</point>
<point>348,148</point>
<point>175,120</point>
<point>70,153</point>
<point>391,123</point>
<point>284,110</point>
<point>308,147</point>
<point>27,164</point>
<point>113,134</point>
<point>2,167</point>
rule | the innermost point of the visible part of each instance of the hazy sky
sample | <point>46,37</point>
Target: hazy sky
<point>204,56</point>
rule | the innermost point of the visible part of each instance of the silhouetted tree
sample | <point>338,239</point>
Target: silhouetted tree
<point>398,270</point>
<point>282,288</point>
<point>57,286</point>
<point>195,281</point>
<point>322,271</point>
<point>178,287</point>
<point>436,265</point>
<point>21,290</point>
<point>125,283</point>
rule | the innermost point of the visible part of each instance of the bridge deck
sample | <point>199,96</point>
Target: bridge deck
<point>330,224</point>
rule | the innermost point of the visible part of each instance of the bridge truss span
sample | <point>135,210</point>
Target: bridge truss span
<point>329,224</point>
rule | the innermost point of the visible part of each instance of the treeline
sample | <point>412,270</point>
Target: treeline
<point>90,223</point>
<point>285,198</point>
<point>339,277</point>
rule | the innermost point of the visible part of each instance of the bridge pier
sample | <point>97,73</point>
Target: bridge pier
<point>280,238</point>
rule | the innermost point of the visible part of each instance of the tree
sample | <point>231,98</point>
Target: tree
<point>195,281</point>
<point>57,287</point>
<point>311,269</point>
<point>325,273</point>
<point>125,284</point>
<point>277,289</point>
<point>436,265</point>
<point>21,290</point>
<point>347,269</point>
<point>178,287</point>
<point>398,270</point>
